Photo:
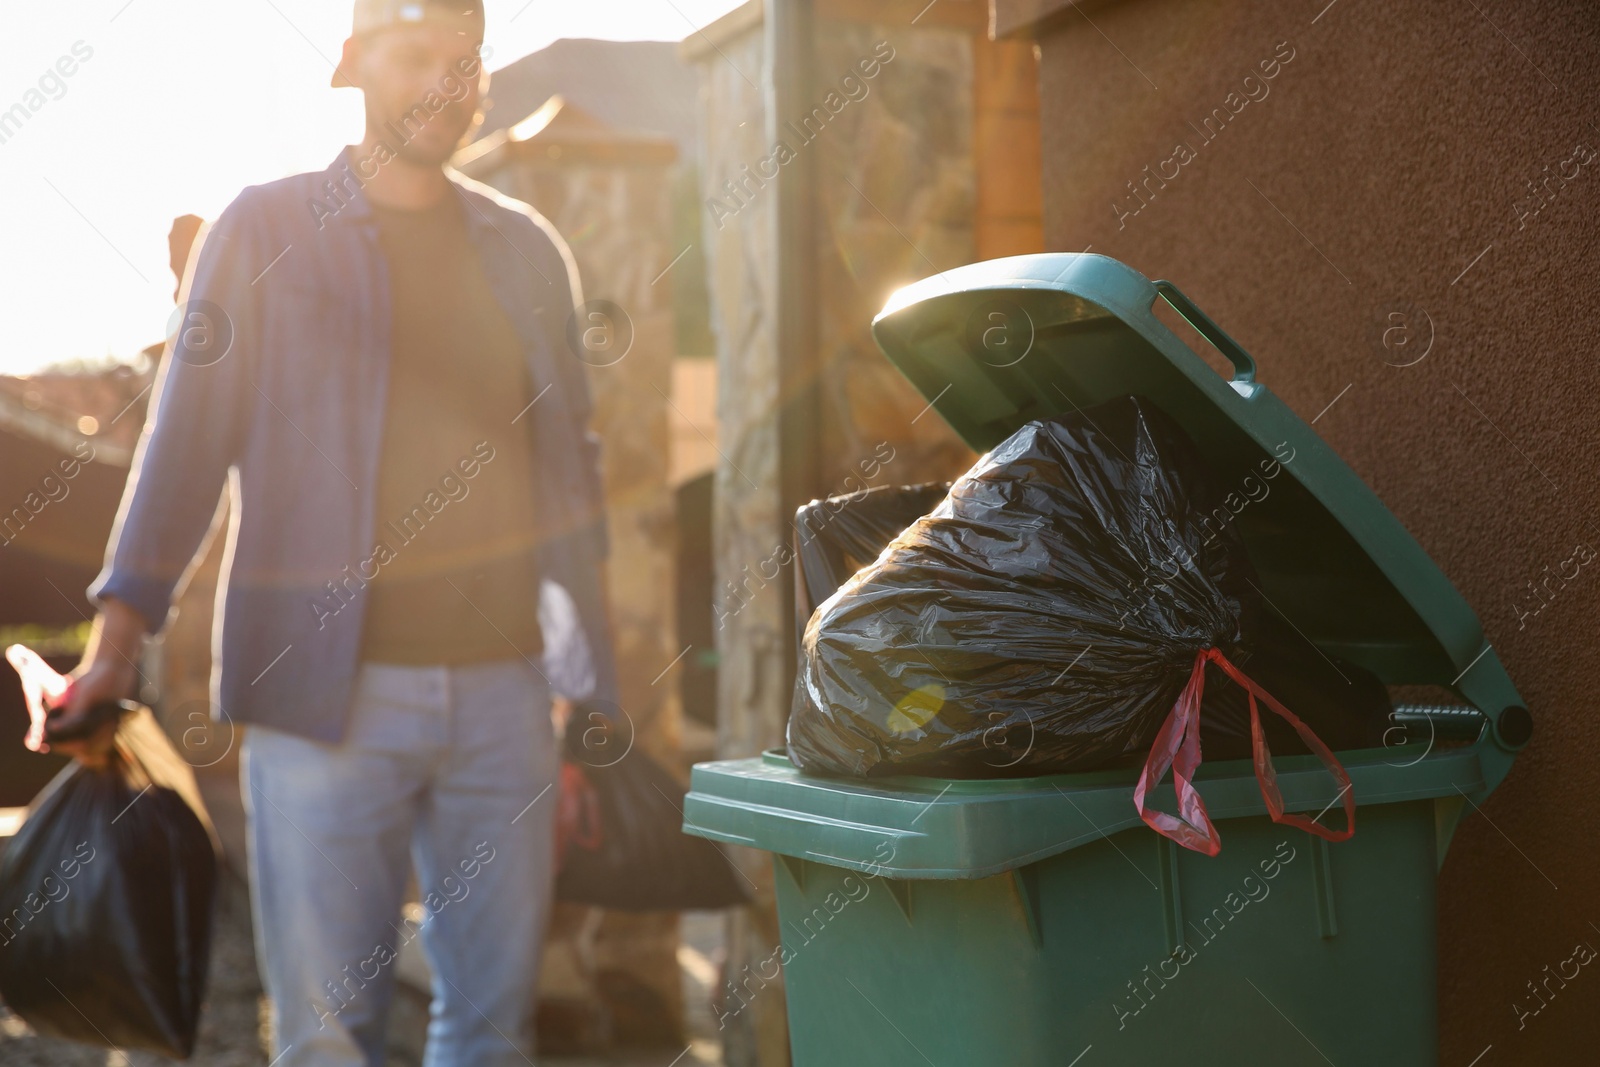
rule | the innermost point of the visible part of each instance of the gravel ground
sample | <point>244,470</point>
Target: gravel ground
<point>233,1027</point>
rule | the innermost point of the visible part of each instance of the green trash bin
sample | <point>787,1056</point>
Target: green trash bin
<point>1038,921</point>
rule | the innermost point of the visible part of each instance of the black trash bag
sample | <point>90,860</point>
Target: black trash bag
<point>621,843</point>
<point>1344,703</point>
<point>106,896</point>
<point>1044,618</point>
<point>837,536</point>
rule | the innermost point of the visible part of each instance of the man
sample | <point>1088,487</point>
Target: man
<point>373,361</point>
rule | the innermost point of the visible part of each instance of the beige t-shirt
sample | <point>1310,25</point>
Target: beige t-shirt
<point>455,481</point>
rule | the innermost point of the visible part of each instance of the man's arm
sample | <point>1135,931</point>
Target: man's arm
<point>579,556</point>
<point>196,423</point>
<point>190,439</point>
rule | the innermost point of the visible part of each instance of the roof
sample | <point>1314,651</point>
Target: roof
<point>637,86</point>
<point>62,409</point>
<point>559,131</point>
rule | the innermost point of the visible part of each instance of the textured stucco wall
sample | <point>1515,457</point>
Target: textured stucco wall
<point>1386,172</point>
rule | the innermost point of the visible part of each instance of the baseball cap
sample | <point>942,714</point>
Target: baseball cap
<point>465,16</point>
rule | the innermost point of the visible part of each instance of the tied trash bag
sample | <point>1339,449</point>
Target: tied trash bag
<point>1056,612</point>
<point>106,895</point>
<point>620,840</point>
<point>1345,704</point>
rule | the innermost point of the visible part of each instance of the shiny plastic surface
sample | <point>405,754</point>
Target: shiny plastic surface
<point>621,842</point>
<point>1081,328</point>
<point>106,897</point>
<point>1046,615</point>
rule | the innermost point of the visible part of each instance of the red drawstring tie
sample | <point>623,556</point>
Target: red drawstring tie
<point>1178,746</point>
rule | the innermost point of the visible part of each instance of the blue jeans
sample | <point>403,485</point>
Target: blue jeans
<point>453,768</point>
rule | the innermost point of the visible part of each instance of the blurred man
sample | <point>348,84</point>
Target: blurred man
<point>372,360</point>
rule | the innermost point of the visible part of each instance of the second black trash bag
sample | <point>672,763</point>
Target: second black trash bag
<point>1046,617</point>
<point>837,536</point>
<point>1343,702</point>
<point>621,840</point>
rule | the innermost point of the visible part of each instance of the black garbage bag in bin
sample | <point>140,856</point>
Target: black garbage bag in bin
<point>106,897</point>
<point>1057,612</point>
<point>1345,704</point>
<point>839,535</point>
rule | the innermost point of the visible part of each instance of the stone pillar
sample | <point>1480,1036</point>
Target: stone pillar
<point>750,523</point>
<point>882,125</point>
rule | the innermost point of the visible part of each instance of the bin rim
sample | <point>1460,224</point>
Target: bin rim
<point>930,828</point>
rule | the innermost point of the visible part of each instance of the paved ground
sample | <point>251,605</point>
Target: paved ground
<point>232,1028</point>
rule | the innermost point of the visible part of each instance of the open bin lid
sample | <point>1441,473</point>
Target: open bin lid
<point>997,344</point>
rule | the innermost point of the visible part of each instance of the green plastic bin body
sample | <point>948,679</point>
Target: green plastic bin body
<point>1038,921</point>
<point>1012,923</point>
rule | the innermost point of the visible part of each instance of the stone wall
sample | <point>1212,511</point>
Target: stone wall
<point>896,191</point>
<point>750,527</point>
<point>900,95</point>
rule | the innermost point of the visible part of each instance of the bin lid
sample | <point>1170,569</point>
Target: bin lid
<point>997,344</point>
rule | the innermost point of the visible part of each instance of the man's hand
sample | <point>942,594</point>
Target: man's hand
<point>560,714</point>
<point>107,672</point>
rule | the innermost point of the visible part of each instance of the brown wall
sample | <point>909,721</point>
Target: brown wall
<point>1396,146</point>
<point>1008,215</point>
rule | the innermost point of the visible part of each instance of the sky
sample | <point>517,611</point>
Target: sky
<point>142,110</point>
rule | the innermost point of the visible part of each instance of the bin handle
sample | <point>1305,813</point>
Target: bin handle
<point>1244,366</point>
